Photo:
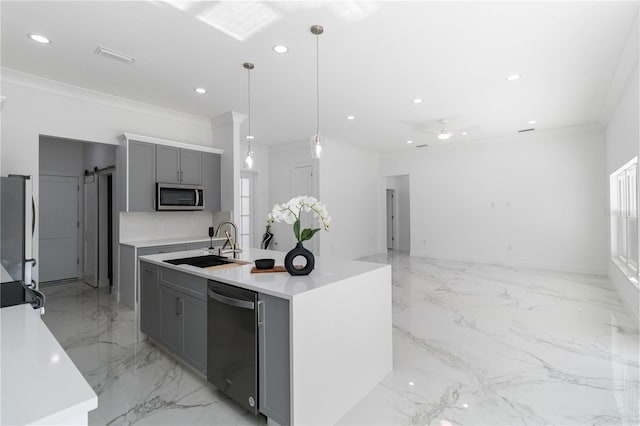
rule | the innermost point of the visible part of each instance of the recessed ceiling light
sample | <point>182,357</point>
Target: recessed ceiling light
<point>200,90</point>
<point>409,141</point>
<point>513,77</point>
<point>417,101</point>
<point>350,117</point>
<point>464,133</point>
<point>280,49</point>
<point>39,38</point>
<point>532,122</point>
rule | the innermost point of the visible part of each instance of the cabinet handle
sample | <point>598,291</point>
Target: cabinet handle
<point>178,175</point>
<point>181,175</point>
<point>260,313</point>
<point>179,307</point>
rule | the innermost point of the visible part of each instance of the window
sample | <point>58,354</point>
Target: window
<point>624,218</point>
<point>246,209</point>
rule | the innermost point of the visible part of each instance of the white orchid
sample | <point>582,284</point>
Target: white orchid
<point>290,211</point>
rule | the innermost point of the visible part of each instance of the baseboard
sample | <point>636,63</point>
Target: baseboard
<point>626,291</point>
<point>501,262</point>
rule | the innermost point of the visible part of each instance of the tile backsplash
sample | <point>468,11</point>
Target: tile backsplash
<point>141,226</point>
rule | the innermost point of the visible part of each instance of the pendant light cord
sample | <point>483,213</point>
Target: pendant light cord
<point>317,84</point>
<point>249,96</point>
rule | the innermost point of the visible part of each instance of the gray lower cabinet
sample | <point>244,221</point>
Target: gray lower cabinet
<point>273,359</point>
<point>194,332</point>
<point>149,303</point>
<point>171,313</point>
<point>174,312</point>
<point>142,176</point>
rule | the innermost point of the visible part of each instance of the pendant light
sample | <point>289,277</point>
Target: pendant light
<point>248,159</point>
<point>316,139</point>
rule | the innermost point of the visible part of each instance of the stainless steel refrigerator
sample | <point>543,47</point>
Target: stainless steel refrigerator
<point>17,225</point>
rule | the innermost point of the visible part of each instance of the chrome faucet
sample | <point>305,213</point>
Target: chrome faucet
<point>233,243</point>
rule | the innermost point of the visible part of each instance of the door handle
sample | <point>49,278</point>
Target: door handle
<point>260,313</point>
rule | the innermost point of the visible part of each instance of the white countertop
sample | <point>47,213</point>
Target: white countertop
<point>169,241</point>
<point>280,284</point>
<point>40,384</point>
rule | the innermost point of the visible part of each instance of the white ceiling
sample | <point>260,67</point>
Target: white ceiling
<point>375,57</point>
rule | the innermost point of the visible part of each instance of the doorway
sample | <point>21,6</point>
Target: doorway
<point>58,228</point>
<point>398,212</point>
<point>91,167</point>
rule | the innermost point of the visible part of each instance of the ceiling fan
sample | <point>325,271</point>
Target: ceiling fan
<point>443,134</point>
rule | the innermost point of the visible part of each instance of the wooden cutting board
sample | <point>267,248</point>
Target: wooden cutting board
<point>255,270</point>
<point>223,266</point>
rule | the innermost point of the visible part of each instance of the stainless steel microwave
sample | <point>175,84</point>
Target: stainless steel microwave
<point>173,196</point>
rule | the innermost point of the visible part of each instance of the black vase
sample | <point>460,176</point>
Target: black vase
<point>299,251</point>
<point>266,240</point>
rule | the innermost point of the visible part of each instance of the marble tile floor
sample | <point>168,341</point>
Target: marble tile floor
<point>474,344</point>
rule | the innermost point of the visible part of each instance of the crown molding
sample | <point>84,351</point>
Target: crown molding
<point>230,117</point>
<point>68,90</point>
<point>167,142</point>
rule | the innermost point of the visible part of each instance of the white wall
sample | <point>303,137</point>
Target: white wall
<point>98,155</point>
<point>402,211</point>
<point>351,186</point>
<point>534,200</point>
<point>622,144</point>
<point>282,160</point>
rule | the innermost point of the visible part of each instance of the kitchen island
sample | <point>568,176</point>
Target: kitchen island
<point>326,340</point>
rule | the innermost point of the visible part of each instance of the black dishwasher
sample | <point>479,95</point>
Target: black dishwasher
<point>232,342</point>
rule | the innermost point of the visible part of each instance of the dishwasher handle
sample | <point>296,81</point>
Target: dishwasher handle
<point>244,304</point>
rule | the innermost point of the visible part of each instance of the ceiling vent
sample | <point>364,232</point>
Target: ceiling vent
<point>118,56</point>
<point>526,130</point>
<point>424,145</point>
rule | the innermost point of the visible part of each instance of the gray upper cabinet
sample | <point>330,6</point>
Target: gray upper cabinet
<point>211,181</point>
<point>148,162</point>
<point>168,164</point>
<point>176,165</point>
<point>191,167</point>
<point>142,176</point>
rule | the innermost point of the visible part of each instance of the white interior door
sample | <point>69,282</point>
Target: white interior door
<point>90,267</point>
<point>390,219</point>
<point>58,258</point>
<point>302,184</point>
<point>103,230</point>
